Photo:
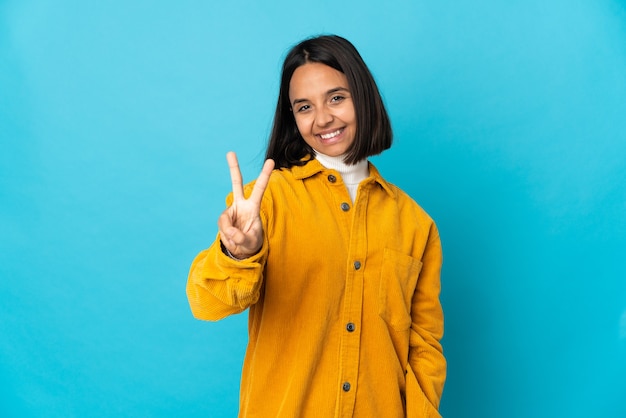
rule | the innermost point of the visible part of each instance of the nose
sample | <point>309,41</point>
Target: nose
<point>323,117</point>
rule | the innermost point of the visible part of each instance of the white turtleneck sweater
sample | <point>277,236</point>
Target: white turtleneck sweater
<point>350,174</point>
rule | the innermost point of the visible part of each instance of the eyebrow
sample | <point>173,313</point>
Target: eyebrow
<point>329,92</point>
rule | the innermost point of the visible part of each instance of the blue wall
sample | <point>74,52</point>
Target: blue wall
<point>510,122</point>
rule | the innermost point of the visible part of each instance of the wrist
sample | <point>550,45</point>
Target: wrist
<point>231,255</point>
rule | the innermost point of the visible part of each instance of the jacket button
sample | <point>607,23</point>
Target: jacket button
<point>346,387</point>
<point>350,327</point>
<point>357,265</point>
<point>332,178</point>
<point>345,207</point>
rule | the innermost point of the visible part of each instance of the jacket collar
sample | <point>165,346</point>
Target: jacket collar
<point>313,167</point>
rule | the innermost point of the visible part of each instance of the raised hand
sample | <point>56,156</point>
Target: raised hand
<point>240,226</point>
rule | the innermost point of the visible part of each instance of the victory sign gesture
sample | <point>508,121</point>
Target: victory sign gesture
<point>240,226</point>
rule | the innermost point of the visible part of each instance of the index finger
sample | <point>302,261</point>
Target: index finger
<point>261,182</point>
<point>235,175</point>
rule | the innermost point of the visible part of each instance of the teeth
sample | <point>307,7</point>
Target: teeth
<point>331,135</point>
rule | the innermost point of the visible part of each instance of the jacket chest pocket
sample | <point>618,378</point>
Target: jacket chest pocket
<point>398,278</point>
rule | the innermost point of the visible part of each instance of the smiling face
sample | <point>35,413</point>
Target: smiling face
<point>323,108</point>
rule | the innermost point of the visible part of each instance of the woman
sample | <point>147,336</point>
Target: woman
<point>340,270</point>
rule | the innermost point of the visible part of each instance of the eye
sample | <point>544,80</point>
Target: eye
<point>337,98</point>
<point>302,108</point>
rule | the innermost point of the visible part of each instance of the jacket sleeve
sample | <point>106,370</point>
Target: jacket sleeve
<point>219,286</point>
<point>427,366</point>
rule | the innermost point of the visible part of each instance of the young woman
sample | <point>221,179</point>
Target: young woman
<point>340,270</point>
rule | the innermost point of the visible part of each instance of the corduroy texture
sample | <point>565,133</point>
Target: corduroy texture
<point>345,318</point>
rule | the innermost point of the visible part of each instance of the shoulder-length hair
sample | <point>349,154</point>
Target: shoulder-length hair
<point>373,129</point>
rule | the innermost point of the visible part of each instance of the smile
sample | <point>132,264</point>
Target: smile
<point>332,134</point>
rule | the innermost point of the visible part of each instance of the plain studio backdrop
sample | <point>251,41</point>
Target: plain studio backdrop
<point>115,117</point>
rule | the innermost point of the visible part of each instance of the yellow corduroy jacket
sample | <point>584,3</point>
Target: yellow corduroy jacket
<point>345,318</point>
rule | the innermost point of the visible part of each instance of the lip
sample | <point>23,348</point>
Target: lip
<point>331,140</point>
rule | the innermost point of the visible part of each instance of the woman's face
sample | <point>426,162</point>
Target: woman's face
<point>323,108</point>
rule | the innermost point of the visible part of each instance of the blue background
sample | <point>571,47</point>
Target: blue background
<point>115,116</point>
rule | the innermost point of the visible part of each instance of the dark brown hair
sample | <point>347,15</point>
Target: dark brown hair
<point>373,129</point>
